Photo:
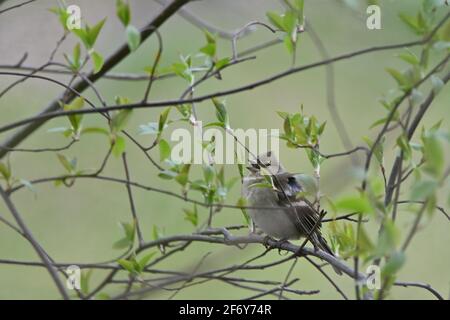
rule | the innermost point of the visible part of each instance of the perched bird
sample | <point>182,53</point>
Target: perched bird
<point>292,216</point>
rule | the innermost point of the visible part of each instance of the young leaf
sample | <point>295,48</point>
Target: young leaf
<point>119,146</point>
<point>97,60</point>
<point>120,119</point>
<point>434,155</point>
<point>67,164</point>
<point>123,12</point>
<point>127,265</point>
<point>133,37</point>
<point>62,14</point>
<point>242,203</point>
<point>221,112</point>
<point>164,150</point>
<point>144,261</point>
<point>84,280</point>
<point>208,173</point>
<point>92,33</point>
<point>393,264</point>
<point>276,20</point>
<point>5,171</point>
<point>163,119</point>
<point>149,128</point>
<point>357,203</point>
<point>122,244</point>
<point>437,83</point>
<point>398,76</point>
<point>191,215</point>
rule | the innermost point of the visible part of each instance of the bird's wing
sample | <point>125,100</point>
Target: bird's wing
<point>303,215</point>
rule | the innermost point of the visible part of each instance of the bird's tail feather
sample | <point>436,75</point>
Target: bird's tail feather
<point>323,245</point>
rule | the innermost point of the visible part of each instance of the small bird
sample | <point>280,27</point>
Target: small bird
<point>292,216</point>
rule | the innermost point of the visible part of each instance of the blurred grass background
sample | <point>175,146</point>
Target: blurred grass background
<point>79,224</point>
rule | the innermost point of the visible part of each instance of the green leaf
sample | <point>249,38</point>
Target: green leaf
<point>410,58</point>
<point>261,185</point>
<point>208,173</point>
<point>290,22</point>
<point>221,112</point>
<point>242,203</point>
<point>164,150</point>
<point>75,119</point>
<point>398,76</point>
<point>84,280</point>
<point>149,128</point>
<point>393,264</point>
<point>412,23</point>
<point>27,185</point>
<point>423,189</point>
<point>388,239</point>
<point>191,215</point>
<point>102,296</point>
<point>62,14</point>
<point>5,171</point>
<point>97,60</point>
<point>129,230</point>
<point>83,36</point>
<point>122,244</point>
<point>222,63</point>
<point>67,164</point>
<point>379,149</point>
<point>434,155</point>
<point>163,119</point>
<point>276,20</point>
<point>157,232</point>
<point>183,177</point>
<point>133,37</point>
<point>437,83</point>
<point>77,55</point>
<point>209,49</point>
<point>75,60</point>
<point>123,12</point>
<point>119,146</point>
<point>404,145</point>
<point>120,119</point>
<point>167,174</point>
<point>289,44</point>
<point>143,262</point>
<point>441,45</point>
<point>358,203</point>
<point>95,130</point>
<point>92,33</point>
<point>127,265</point>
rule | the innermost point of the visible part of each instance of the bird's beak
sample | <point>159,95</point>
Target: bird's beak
<point>254,167</point>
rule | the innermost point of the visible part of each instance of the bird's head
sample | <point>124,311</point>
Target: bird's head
<point>266,164</point>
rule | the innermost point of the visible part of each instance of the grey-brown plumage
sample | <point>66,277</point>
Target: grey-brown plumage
<point>292,217</point>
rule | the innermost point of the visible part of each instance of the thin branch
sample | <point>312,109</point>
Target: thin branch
<point>441,209</point>
<point>131,200</point>
<point>319,268</point>
<point>419,285</point>
<point>36,121</point>
<point>35,244</point>
<point>16,6</point>
<point>109,63</point>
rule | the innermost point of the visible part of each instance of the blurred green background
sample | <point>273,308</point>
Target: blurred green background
<point>79,224</point>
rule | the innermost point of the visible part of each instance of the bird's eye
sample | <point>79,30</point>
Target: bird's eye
<point>268,163</point>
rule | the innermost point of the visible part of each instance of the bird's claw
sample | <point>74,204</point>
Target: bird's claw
<point>266,242</point>
<point>276,243</point>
